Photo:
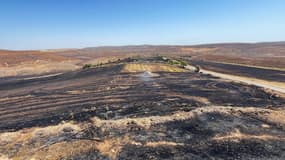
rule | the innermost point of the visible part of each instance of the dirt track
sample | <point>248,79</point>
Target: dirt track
<point>243,71</point>
<point>279,87</point>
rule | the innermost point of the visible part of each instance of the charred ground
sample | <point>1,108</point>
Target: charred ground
<point>104,112</point>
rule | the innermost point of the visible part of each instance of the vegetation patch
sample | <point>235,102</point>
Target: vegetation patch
<point>152,67</point>
<point>86,66</point>
<point>170,61</point>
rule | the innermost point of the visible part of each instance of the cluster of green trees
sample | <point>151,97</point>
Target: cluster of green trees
<point>177,62</point>
<point>174,62</point>
<point>86,66</point>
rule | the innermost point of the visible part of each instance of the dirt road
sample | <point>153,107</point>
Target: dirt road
<point>276,86</point>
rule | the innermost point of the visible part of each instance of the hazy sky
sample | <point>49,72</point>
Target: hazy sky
<point>41,24</point>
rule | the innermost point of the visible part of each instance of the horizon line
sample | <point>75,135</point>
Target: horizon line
<point>134,45</point>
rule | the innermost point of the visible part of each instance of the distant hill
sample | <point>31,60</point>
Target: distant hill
<point>274,49</point>
<point>266,54</point>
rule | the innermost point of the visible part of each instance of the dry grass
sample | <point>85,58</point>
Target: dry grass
<point>152,67</point>
<point>34,140</point>
<point>78,92</point>
<point>4,157</point>
<point>277,117</point>
<point>64,149</point>
<point>33,134</point>
<point>112,147</point>
<point>236,136</point>
<point>145,122</point>
<point>162,143</point>
<point>271,62</point>
<point>41,67</point>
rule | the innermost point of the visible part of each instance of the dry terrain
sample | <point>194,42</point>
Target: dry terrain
<point>26,63</point>
<point>135,105</point>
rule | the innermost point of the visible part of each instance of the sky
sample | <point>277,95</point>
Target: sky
<point>50,24</point>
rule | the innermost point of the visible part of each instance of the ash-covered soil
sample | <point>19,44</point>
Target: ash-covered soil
<point>103,113</point>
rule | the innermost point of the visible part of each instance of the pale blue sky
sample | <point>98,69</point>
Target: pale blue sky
<point>42,24</point>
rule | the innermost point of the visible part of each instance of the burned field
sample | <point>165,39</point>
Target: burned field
<point>108,113</point>
<point>253,72</point>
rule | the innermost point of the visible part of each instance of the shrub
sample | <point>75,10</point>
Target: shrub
<point>86,66</point>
